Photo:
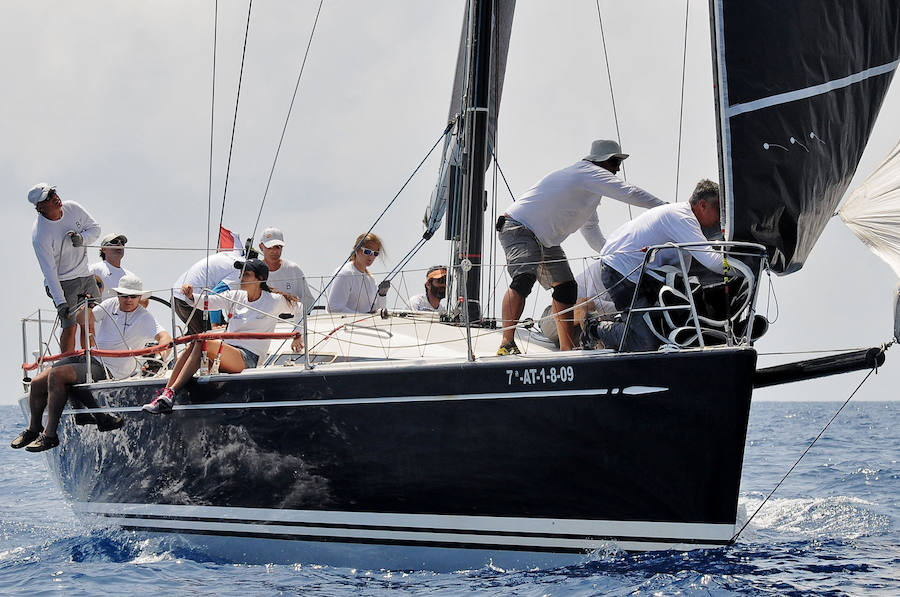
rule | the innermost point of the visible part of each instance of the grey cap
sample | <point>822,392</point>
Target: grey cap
<point>603,149</point>
<point>111,237</point>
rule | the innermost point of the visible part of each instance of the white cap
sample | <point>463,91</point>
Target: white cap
<point>272,237</point>
<point>131,285</point>
<point>111,237</point>
<point>39,192</point>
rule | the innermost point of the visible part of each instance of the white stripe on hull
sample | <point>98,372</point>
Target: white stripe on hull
<point>449,530</point>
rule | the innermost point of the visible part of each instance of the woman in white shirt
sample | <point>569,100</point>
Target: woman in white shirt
<point>254,308</point>
<point>354,289</point>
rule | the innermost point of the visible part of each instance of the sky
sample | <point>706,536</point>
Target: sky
<point>112,101</point>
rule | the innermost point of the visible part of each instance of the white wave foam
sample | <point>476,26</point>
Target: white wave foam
<point>838,517</point>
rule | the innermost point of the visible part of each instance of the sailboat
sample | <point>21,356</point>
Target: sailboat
<point>369,450</point>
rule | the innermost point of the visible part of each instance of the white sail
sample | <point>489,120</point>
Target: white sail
<point>872,211</point>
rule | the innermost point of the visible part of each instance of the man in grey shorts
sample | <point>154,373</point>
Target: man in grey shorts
<point>59,236</point>
<point>533,228</point>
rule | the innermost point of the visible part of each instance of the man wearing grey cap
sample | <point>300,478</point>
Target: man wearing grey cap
<point>533,228</point>
<point>109,269</point>
<point>59,235</point>
<point>284,275</point>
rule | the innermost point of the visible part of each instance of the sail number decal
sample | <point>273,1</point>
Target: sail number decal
<point>544,375</point>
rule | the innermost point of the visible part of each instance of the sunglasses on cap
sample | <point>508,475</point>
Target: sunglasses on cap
<point>116,241</point>
<point>369,251</point>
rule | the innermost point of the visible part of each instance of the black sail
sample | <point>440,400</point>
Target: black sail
<point>800,84</point>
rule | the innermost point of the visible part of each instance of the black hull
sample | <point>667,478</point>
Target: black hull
<point>532,456</point>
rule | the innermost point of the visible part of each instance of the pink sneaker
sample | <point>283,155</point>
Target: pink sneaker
<point>161,403</point>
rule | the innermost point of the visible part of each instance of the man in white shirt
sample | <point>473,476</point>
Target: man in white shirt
<point>435,291</point>
<point>284,275</point>
<point>623,255</point>
<point>109,269</point>
<point>59,235</point>
<point>533,228</point>
<point>121,324</point>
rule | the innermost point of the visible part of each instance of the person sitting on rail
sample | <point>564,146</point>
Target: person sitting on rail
<point>435,291</point>
<point>255,308</point>
<point>354,289</point>
<point>121,323</point>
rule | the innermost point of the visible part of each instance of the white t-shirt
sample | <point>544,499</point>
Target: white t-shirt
<point>58,259</point>
<point>420,302</point>
<point>289,278</point>
<point>221,269</point>
<point>247,318</point>
<point>566,200</point>
<point>590,285</point>
<point>354,292</point>
<point>110,275</point>
<point>138,327</point>
<point>672,223</point>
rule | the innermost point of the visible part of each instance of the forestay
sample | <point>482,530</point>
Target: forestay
<point>799,88</point>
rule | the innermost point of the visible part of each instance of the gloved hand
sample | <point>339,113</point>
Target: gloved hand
<point>384,287</point>
<point>77,239</point>
<point>62,310</point>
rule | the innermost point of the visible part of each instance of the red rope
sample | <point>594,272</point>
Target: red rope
<point>154,349</point>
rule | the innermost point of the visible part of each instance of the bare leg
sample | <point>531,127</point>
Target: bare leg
<point>187,365</point>
<point>57,393</point>
<point>513,305</point>
<point>67,339</point>
<point>37,400</point>
<point>565,325</point>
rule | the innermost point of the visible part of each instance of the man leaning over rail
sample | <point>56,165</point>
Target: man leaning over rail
<point>59,235</point>
<point>623,255</point>
<point>121,324</point>
<point>533,228</point>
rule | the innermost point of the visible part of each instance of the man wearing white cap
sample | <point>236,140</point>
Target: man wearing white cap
<point>284,275</point>
<point>533,228</point>
<point>121,324</point>
<point>59,235</point>
<point>109,269</point>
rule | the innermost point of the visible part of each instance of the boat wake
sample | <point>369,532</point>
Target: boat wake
<point>833,517</point>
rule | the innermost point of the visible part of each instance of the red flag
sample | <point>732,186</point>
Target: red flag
<point>228,240</point>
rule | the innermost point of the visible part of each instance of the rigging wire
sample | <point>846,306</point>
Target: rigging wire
<point>385,210</point>
<point>212,122</point>
<point>687,9</point>
<point>611,94</point>
<point>808,448</point>
<point>237,102</point>
<point>288,117</point>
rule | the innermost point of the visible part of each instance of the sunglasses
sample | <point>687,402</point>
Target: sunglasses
<point>369,252</point>
<point>129,296</point>
<point>116,241</point>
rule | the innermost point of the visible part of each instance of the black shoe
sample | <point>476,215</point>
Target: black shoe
<point>85,419</point>
<point>24,438</point>
<point>43,442</point>
<point>107,422</point>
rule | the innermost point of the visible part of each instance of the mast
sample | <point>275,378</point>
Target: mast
<point>475,157</point>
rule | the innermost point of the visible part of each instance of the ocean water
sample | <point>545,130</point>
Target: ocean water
<point>833,528</point>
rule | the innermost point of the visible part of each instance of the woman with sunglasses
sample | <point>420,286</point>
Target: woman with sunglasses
<point>255,308</point>
<point>354,289</point>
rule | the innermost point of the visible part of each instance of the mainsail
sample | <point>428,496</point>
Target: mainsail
<point>872,211</point>
<point>800,85</point>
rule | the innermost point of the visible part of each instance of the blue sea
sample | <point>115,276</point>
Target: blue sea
<point>833,528</point>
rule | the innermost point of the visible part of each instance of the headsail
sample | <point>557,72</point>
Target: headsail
<point>800,85</point>
<point>872,211</point>
<point>452,156</point>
